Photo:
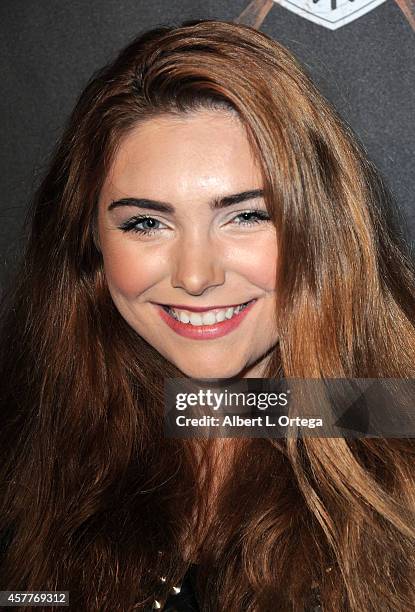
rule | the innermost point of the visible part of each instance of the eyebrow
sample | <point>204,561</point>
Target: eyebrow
<point>165,207</point>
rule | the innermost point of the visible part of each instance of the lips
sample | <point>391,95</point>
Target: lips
<point>205,317</point>
<point>204,332</point>
<point>200,308</point>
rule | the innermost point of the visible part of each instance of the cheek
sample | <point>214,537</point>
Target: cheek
<point>259,263</point>
<point>130,271</point>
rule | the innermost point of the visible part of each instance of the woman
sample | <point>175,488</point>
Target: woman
<point>133,229</point>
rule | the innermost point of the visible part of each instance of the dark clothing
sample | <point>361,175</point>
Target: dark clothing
<point>185,601</point>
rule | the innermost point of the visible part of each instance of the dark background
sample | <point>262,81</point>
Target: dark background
<point>49,49</point>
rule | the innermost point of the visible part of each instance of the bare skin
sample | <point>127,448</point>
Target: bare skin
<point>196,255</point>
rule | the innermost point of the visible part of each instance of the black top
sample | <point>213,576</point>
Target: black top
<point>186,600</point>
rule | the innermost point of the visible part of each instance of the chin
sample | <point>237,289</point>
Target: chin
<point>207,371</point>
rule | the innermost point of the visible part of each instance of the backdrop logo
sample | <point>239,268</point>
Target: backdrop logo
<point>332,14</point>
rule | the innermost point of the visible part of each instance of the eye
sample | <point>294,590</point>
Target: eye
<point>252,217</point>
<point>147,226</point>
<point>133,225</point>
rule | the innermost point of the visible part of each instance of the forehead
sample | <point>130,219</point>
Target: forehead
<point>172,156</point>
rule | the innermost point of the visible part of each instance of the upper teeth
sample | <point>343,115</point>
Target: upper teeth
<point>206,318</point>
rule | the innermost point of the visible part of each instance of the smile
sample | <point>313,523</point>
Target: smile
<point>209,317</point>
<point>205,325</point>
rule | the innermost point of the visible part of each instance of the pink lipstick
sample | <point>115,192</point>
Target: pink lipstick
<point>205,332</point>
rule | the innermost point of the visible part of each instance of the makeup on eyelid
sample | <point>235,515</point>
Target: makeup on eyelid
<point>130,225</point>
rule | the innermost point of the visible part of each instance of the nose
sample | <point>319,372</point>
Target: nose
<point>197,265</point>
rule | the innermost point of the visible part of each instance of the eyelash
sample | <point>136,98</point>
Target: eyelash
<point>131,224</point>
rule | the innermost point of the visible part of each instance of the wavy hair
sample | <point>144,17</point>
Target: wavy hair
<point>93,498</point>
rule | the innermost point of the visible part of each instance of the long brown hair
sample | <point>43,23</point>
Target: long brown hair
<point>93,498</point>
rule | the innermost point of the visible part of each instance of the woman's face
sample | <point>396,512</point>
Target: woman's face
<point>182,223</point>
